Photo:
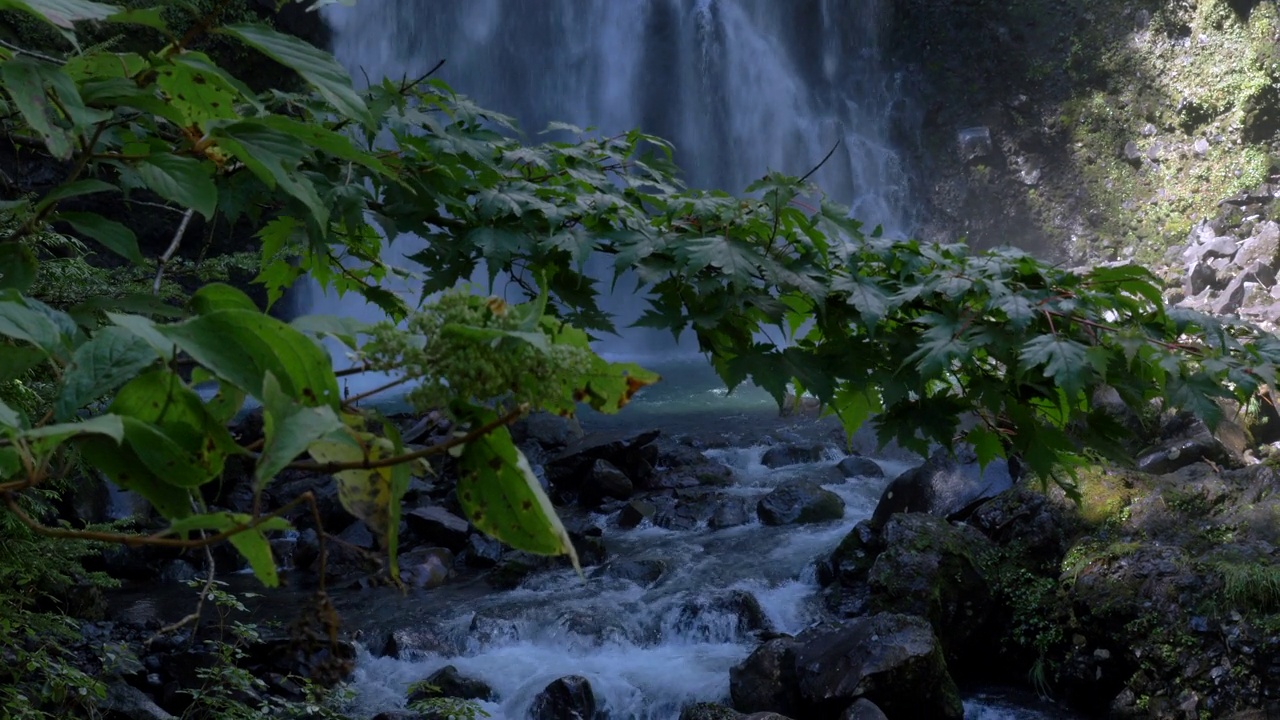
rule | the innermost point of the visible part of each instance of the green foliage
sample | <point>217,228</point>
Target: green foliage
<point>1252,587</point>
<point>916,338</point>
<point>446,708</point>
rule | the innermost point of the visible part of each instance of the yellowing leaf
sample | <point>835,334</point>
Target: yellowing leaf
<point>501,496</point>
<point>365,494</point>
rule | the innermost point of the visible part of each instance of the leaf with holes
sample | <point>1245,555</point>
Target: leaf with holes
<point>366,494</point>
<point>501,496</point>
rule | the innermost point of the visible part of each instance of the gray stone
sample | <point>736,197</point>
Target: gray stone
<point>569,698</point>
<point>944,485</point>
<point>799,502</point>
<point>892,660</point>
<point>605,481</point>
<point>1200,147</point>
<point>125,701</point>
<point>636,512</point>
<point>858,466</point>
<point>1262,246</point>
<point>1231,298</point>
<point>449,683</point>
<point>1220,246</point>
<point>766,680</point>
<point>732,512</point>
<point>708,711</point>
<point>426,567</point>
<point>863,709</point>
<point>793,454</point>
<point>974,142</point>
<point>640,572</point>
<point>435,525</point>
<point>1200,277</point>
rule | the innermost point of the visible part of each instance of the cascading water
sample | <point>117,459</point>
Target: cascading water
<point>740,87</point>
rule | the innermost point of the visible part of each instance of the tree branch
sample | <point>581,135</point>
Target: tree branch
<point>173,248</point>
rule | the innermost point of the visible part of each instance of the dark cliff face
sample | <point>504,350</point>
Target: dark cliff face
<point>1113,126</point>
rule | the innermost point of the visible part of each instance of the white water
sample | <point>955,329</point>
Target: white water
<point>648,651</point>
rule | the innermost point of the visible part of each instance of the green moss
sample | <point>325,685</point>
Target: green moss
<point>1250,586</point>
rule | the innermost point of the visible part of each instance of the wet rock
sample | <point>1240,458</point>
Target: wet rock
<point>125,702</point>
<point>766,680</point>
<point>482,552</point>
<point>930,568</point>
<point>177,572</point>
<point>514,568</point>
<point>426,567</point>
<point>731,512</point>
<point>799,502</point>
<point>974,142</point>
<point>708,711</point>
<point>417,642</point>
<point>858,466</point>
<point>636,512</point>
<point>358,534</point>
<point>892,660</point>
<point>640,572</point>
<point>605,481</point>
<point>863,709</point>
<point>1028,519</point>
<point>793,454</point>
<point>437,526</point>
<point>550,431</point>
<point>853,557</point>
<point>449,683</point>
<point>634,454</point>
<point>723,616</point>
<point>1180,452</point>
<point>945,485</point>
<point>569,698</point>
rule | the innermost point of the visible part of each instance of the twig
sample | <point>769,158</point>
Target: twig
<point>194,617</point>
<point>148,203</point>
<point>824,160</point>
<point>32,53</point>
<point>173,248</point>
<point>370,393</point>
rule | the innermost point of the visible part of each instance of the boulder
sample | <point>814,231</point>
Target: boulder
<point>945,485</point>
<point>708,711</point>
<point>641,572</point>
<point>793,454</point>
<point>725,615</point>
<point>731,512</point>
<point>799,502</point>
<point>568,698</point>
<point>447,682</point>
<point>636,512</point>
<point>634,454</point>
<point>605,481</point>
<point>125,702</point>
<point>890,659</point>
<point>931,568</point>
<point>766,680</point>
<point>863,709</point>
<point>426,567</point>
<point>482,552</point>
<point>858,466</point>
<point>418,642</point>
<point>437,526</point>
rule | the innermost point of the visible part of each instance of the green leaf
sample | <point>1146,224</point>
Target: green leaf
<point>315,65</point>
<point>220,296</point>
<point>182,180</point>
<point>108,426</point>
<point>147,330</point>
<point>1066,362</point>
<point>123,466</point>
<point>32,321</point>
<point>345,330</point>
<point>171,430</point>
<point>25,79</point>
<point>16,360</point>
<point>273,157</point>
<point>289,428</point>
<point>111,358</point>
<point>325,140</point>
<point>242,347</point>
<point>151,17</point>
<point>9,418</point>
<point>201,96</point>
<point>251,542</point>
<point>865,294</point>
<point>400,478</point>
<point>63,13</point>
<point>365,494</point>
<point>501,496</point>
<point>986,444</point>
<point>112,235</point>
<point>18,266</point>
<point>74,189</point>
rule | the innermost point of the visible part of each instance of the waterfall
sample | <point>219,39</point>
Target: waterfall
<point>741,87</point>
